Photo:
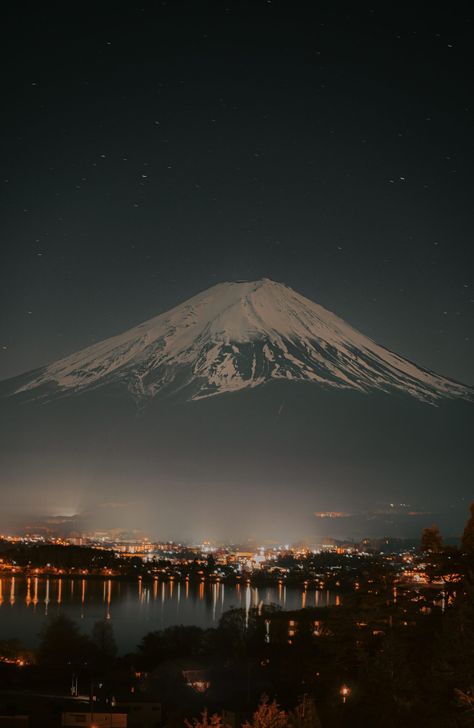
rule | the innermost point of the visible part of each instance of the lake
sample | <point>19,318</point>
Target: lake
<point>134,607</point>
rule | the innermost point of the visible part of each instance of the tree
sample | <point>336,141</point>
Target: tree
<point>431,540</point>
<point>103,640</point>
<point>468,534</point>
<point>61,643</point>
<point>268,715</point>
<point>305,714</point>
<point>211,564</point>
<point>234,629</point>
<point>177,641</point>
<point>215,721</point>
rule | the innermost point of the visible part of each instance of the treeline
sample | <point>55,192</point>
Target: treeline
<point>62,557</point>
<point>267,715</point>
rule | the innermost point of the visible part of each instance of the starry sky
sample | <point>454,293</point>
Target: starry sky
<point>152,151</point>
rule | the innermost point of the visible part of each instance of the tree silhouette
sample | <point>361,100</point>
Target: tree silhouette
<point>305,714</point>
<point>431,540</point>
<point>103,640</point>
<point>468,534</point>
<point>61,643</point>
<point>172,642</point>
<point>268,715</point>
<point>215,721</point>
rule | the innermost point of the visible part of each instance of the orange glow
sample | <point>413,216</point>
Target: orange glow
<point>345,693</point>
<point>46,598</point>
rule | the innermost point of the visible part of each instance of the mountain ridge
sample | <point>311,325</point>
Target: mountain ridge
<point>238,335</point>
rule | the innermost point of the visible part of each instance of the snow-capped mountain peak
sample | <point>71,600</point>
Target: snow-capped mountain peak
<point>235,336</point>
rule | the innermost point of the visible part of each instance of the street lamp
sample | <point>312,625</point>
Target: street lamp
<point>345,693</point>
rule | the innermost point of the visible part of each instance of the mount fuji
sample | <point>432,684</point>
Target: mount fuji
<point>236,336</point>
<point>141,431</point>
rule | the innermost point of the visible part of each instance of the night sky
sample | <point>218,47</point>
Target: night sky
<point>151,152</point>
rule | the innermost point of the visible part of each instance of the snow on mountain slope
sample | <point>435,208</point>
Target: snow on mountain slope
<point>238,335</point>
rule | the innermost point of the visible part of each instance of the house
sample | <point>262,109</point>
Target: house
<point>198,680</point>
<point>141,711</point>
<point>94,719</point>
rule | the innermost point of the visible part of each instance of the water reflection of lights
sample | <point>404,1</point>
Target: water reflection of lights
<point>203,601</point>
<point>46,598</point>
<point>248,601</point>
<point>251,600</point>
<point>83,596</point>
<point>215,588</point>
<point>109,597</point>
